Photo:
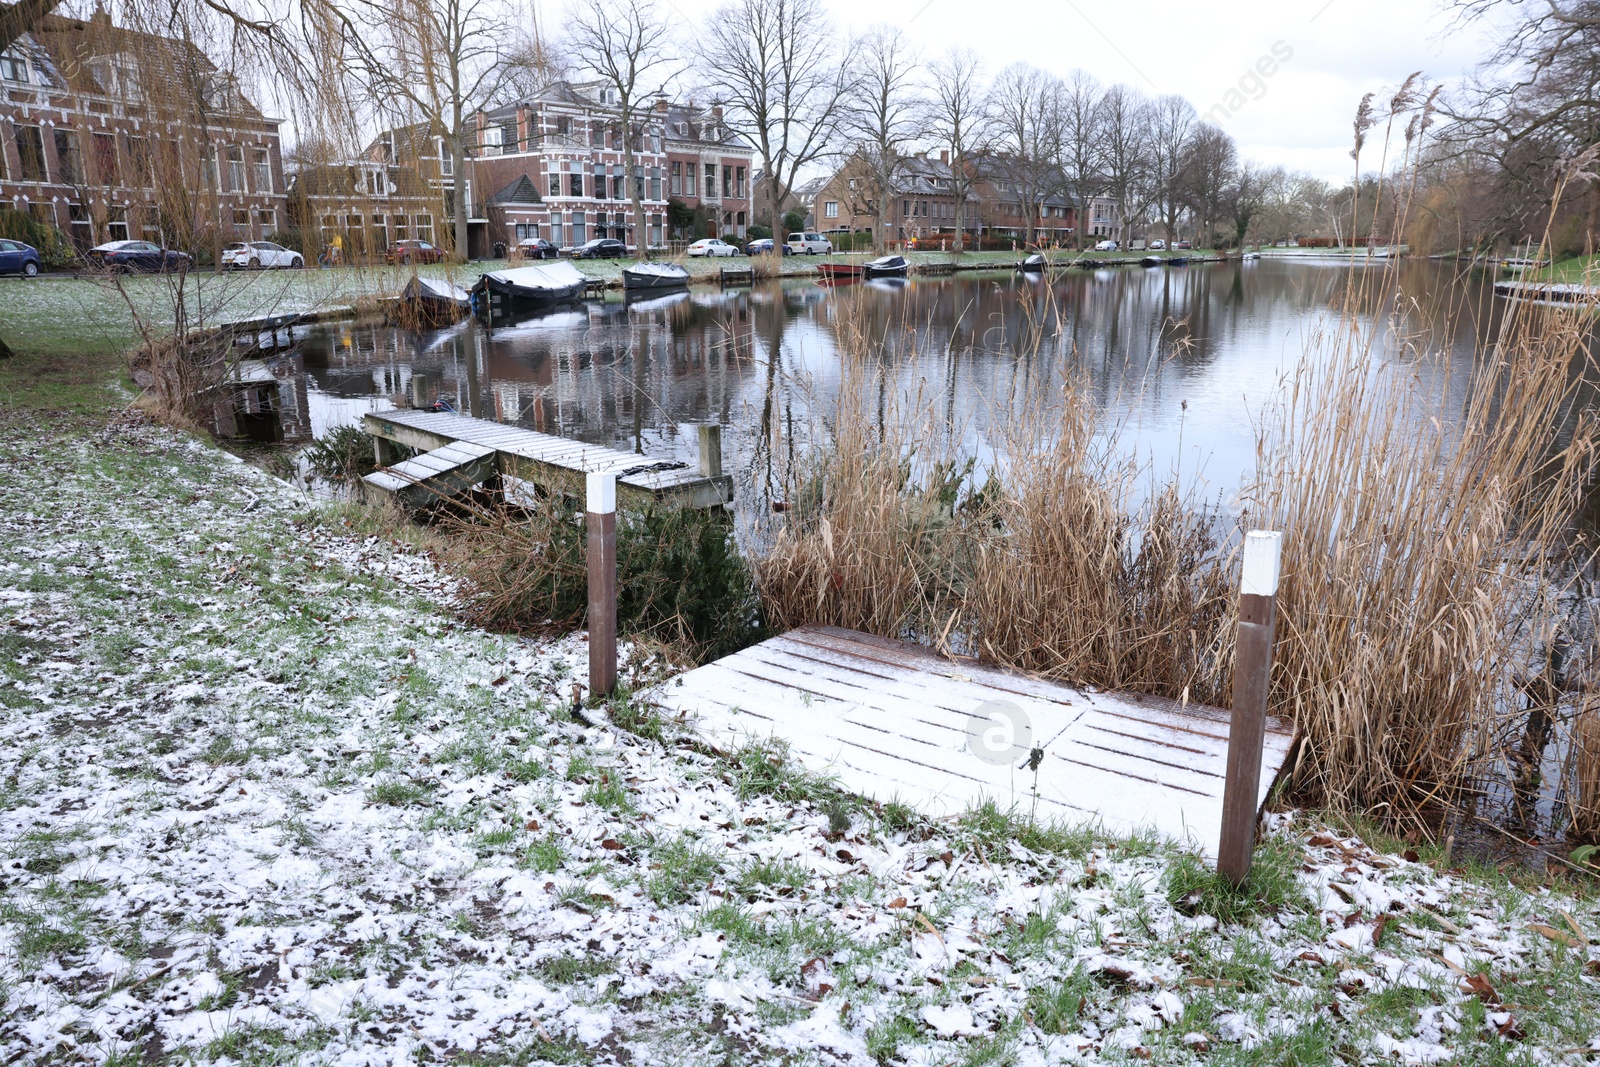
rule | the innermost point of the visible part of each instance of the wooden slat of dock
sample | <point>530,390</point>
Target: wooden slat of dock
<point>891,720</point>
<point>527,454</point>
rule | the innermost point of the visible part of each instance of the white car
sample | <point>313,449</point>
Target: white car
<point>1158,245</point>
<point>260,255</point>
<point>809,244</point>
<point>710,246</point>
<point>1106,246</point>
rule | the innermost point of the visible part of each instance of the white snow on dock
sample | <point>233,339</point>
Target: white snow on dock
<point>894,721</point>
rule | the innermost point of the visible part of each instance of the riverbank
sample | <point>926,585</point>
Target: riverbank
<point>265,797</point>
<point>64,316</point>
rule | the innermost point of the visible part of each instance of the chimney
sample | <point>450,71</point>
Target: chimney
<point>661,105</point>
<point>716,113</point>
<point>944,157</point>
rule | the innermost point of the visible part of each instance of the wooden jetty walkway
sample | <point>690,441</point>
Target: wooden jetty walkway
<point>459,452</point>
<point>896,721</point>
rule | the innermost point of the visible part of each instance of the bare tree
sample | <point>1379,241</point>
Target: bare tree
<point>1025,110</point>
<point>427,62</point>
<point>1125,117</point>
<point>780,76</point>
<point>1253,186</point>
<point>16,19</point>
<point>956,107</point>
<point>1079,152</point>
<point>1173,121</point>
<point>1208,168</point>
<point>628,44</point>
<point>884,116</point>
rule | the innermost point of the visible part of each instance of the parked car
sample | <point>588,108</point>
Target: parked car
<point>18,258</point>
<point>1184,244</point>
<point>137,255</point>
<point>1106,246</point>
<point>412,251</point>
<point>809,243</point>
<point>537,248</point>
<point>601,248</point>
<point>762,246</point>
<point>711,246</point>
<point>1158,245</point>
<point>261,255</point>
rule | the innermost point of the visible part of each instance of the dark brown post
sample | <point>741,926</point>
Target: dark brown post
<point>602,559</point>
<point>1252,674</point>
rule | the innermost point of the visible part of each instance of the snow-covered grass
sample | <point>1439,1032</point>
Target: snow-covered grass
<point>263,799</point>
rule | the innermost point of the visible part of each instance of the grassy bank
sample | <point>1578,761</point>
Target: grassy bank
<point>266,799</point>
<point>1583,270</point>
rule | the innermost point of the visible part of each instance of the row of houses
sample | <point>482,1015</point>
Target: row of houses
<point>923,203</point>
<point>87,148</point>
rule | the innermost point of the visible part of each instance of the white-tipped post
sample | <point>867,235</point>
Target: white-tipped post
<point>1252,679</point>
<point>601,520</point>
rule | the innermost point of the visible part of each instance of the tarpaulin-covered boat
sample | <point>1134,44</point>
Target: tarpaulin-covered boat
<point>537,285</point>
<point>642,276</point>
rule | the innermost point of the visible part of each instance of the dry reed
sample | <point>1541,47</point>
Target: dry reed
<point>1583,798</point>
<point>1417,536</point>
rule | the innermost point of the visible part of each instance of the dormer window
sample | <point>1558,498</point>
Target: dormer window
<point>13,68</point>
<point>683,128</point>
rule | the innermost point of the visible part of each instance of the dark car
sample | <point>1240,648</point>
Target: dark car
<point>601,248</point>
<point>137,255</point>
<point>537,248</point>
<point>764,246</point>
<point>18,258</point>
<point>414,252</point>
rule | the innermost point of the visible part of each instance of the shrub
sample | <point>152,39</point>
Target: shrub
<point>757,232</point>
<point>346,454</point>
<point>680,577</point>
<point>54,248</point>
<point>793,221</point>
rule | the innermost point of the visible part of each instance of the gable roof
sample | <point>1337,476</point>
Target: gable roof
<point>521,191</point>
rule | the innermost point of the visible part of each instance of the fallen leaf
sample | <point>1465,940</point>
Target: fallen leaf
<point>1510,1030</point>
<point>1410,856</point>
<point>897,902</point>
<point>502,680</point>
<point>1311,957</point>
<point>1479,987</point>
<point>1552,934</point>
<point>1565,915</point>
<point>611,844</point>
<point>934,930</point>
<point>533,824</point>
<point>1452,964</point>
<point>845,856</point>
<point>1142,1052</point>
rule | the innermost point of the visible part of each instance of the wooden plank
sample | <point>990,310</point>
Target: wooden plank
<point>887,716</point>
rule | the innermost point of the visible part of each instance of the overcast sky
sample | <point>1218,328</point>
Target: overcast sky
<point>1300,116</point>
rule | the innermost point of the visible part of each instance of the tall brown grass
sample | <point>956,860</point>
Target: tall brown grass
<point>1419,529</point>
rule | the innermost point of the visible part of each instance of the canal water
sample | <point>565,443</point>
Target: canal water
<point>1180,359</point>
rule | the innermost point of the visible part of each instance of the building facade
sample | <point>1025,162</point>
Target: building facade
<point>710,170</point>
<point>101,137</point>
<point>552,166</point>
<point>400,187</point>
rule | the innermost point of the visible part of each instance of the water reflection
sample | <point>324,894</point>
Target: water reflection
<point>1182,358</point>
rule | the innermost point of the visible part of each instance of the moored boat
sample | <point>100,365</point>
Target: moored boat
<point>429,302</point>
<point>538,285</point>
<point>886,267</point>
<point>1151,261</point>
<point>1178,261</point>
<point>1035,263</point>
<point>839,271</point>
<point>644,276</point>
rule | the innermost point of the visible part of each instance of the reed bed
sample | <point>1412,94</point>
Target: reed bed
<point>1423,506</point>
<point>1583,797</point>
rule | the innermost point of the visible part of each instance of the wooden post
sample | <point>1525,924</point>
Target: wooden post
<point>711,451</point>
<point>1252,674</point>
<point>382,451</point>
<point>419,392</point>
<point>602,560</point>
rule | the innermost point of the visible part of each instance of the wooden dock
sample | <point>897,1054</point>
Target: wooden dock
<point>459,452</point>
<point>736,276</point>
<point>895,721</point>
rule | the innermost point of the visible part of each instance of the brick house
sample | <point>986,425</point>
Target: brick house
<point>398,188</point>
<point>107,133</point>
<point>922,203</point>
<point>710,169</point>
<point>551,166</point>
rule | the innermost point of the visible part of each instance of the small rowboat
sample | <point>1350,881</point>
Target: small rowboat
<point>429,302</point>
<point>840,271</point>
<point>886,267</point>
<point>1035,264</point>
<point>643,276</point>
